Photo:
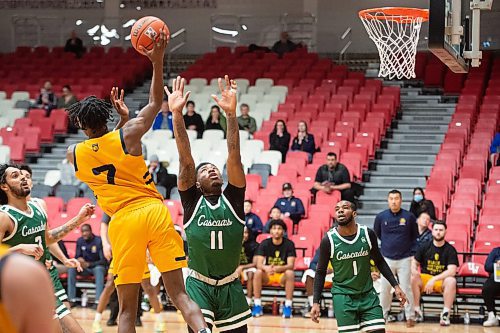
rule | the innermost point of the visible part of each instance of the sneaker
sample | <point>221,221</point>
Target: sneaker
<point>96,327</point>
<point>492,320</point>
<point>138,322</point>
<point>257,311</point>
<point>287,312</point>
<point>160,327</point>
<point>390,319</point>
<point>111,322</point>
<point>444,319</point>
<point>306,311</point>
<point>419,316</point>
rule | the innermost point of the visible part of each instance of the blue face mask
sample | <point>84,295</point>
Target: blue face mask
<point>418,197</point>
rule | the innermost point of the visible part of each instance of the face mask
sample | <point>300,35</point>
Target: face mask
<point>418,197</point>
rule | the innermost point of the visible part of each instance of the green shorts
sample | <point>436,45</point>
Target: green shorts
<point>60,294</point>
<point>357,313</point>
<point>223,306</point>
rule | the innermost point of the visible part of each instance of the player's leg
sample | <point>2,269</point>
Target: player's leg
<point>371,318</point>
<point>128,299</point>
<point>416,287</point>
<point>346,313</point>
<point>288,280</point>
<point>109,287</point>
<point>250,276</point>
<point>70,325</point>
<point>261,278</point>
<point>449,290</point>
<point>308,280</point>
<point>152,293</point>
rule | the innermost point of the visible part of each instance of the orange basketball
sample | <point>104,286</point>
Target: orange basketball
<point>146,31</point>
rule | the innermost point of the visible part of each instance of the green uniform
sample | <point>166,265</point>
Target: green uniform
<point>30,229</point>
<point>214,234</point>
<point>355,301</point>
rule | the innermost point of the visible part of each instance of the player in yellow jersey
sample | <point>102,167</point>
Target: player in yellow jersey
<point>111,164</point>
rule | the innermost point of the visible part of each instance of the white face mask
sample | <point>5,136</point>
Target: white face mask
<point>418,197</point>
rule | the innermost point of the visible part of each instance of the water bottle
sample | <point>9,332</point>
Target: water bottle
<point>466,318</point>
<point>330,311</point>
<point>281,308</point>
<point>85,298</point>
<point>275,306</point>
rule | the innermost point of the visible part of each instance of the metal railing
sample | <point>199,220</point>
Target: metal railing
<point>346,36</point>
<point>180,38</point>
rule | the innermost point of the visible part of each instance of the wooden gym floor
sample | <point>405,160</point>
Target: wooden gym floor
<point>268,324</point>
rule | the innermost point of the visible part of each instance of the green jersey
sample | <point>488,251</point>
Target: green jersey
<point>351,262</point>
<point>214,236</point>
<point>29,228</point>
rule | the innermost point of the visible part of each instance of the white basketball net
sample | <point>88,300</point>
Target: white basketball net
<point>396,38</point>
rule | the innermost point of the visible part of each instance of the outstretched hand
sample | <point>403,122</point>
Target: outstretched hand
<point>118,103</point>
<point>227,102</point>
<point>158,51</point>
<point>176,99</point>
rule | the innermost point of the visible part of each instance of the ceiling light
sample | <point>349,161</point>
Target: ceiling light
<point>78,22</point>
<point>225,32</point>
<point>129,23</point>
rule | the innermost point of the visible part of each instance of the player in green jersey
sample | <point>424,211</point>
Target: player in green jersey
<point>23,226</point>
<point>349,247</point>
<point>213,219</point>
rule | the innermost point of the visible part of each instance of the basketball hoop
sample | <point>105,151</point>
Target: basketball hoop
<point>395,32</point>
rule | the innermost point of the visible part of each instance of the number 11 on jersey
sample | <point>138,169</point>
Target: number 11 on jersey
<point>216,240</point>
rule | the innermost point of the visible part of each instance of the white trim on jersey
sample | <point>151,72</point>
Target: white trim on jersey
<point>217,205</point>
<point>348,241</point>
<point>374,321</point>
<point>21,212</point>
<point>198,204</point>
<point>332,246</point>
<point>232,209</point>
<point>208,312</point>
<point>233,318</point>
<point>365,228</point>
<point>232,327</point>
<point>373,328</point>
<point>348,328</point>
<point>14,231</point>
<point>37,203</point>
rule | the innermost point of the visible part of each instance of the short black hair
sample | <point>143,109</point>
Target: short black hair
<point>330,154</point>
<point>25,167</point>
<point>201,165</point>
<point>3,179</point>
<point>274,208</point>
<point>67,86</point>
<point>438,222</point>
<point>279,222</point>
<point>249,201</point>
<point>90,113</point>
<point>244,105</point>
<point>86,225</point>
<point>395,192</point>
<point>419,189</point>
<point>353,205</point>
<point>190,103</point>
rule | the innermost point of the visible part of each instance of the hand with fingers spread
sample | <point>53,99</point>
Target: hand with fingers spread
<point>228,100</point>
<point>158,51</point>
<point>118,103</point>
<point>176,99</point>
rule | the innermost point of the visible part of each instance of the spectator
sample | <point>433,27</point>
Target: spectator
<point>397,230</point>
<point>193,120</point>
<point>333,176</point>
<point>161,176</point>
<point>438,264</point>
<point>74,45</point>
<point>47,100</point>
<point>491,288</point>
<point>419,204</point>
<point>67,98</point>
<point>61,268</point>
<point>246,269</point>
<point>284,45</point>
<point>246,122</point>
<point>216,120</point>
<point>279,139</point>
<point>308,280</point>
<point>304,141</point>
<point>291,206</point>
<point>163,119</point>
<point>274,215</point>
<point>495,150</point>
<point>275,260</point>
<point>424,234</point>
<point>90,254</point>
<point>252,220</point>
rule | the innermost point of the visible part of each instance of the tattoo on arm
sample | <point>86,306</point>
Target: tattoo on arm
<point>58,233</point>
<point>233,136</point>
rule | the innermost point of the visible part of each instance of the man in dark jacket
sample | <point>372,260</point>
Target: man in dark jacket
<point>161,176</point>
<point>252,220</point>
<point>491,287</point>
<point>291,206</point>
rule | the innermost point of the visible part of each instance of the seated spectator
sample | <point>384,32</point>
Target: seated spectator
<point>275,260</point>
<point>438,264</point>
<point>216,120</point>
<point>274,215</point>
<point>67,98</point>
<point>491,288</point>
<point>193,120</point>
<point>246,122</point>
<point>163,119</point>
<point>246,269</point>
<point>419,204</point>
<point>161,176</point>
<point>308,280</point>
<point>291,206</point>
<point>61,268</point>
<point>74,45</point>
<point>90,254</point>
<point>284,45</point>
<point>252,220</point>
<point>47,100</point>
<point>304,141</point>
<point>333,176</point>
<point>279,139</point>
<point>424,234</point>
<point>495,150</point>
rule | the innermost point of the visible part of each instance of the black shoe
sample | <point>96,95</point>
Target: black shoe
<point>111,322</point>
<point>138,322</point>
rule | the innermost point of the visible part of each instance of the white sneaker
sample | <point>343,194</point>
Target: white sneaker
<point>492,320</point>
<point>419,316</point>
<point>444,319</point>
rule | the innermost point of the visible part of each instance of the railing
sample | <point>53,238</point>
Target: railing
<point>346,36</point>
<point>180,36</point>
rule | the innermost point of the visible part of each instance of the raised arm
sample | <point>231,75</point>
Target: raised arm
<point>227,102</point>
<point>56,234</point>
<point>120,107</point>
<point>137,127</point>
<point>176,102</point>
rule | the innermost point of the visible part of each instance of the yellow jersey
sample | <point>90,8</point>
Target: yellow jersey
<point>117,178</point>
<point>6,325</point>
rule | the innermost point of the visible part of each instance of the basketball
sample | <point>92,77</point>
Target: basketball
<point>146,31</point>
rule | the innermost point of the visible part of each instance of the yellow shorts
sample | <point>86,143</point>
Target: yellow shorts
<point>132,231</point>
<point>438,285</point>
<point>275,278</point>
<point>146,275</point>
